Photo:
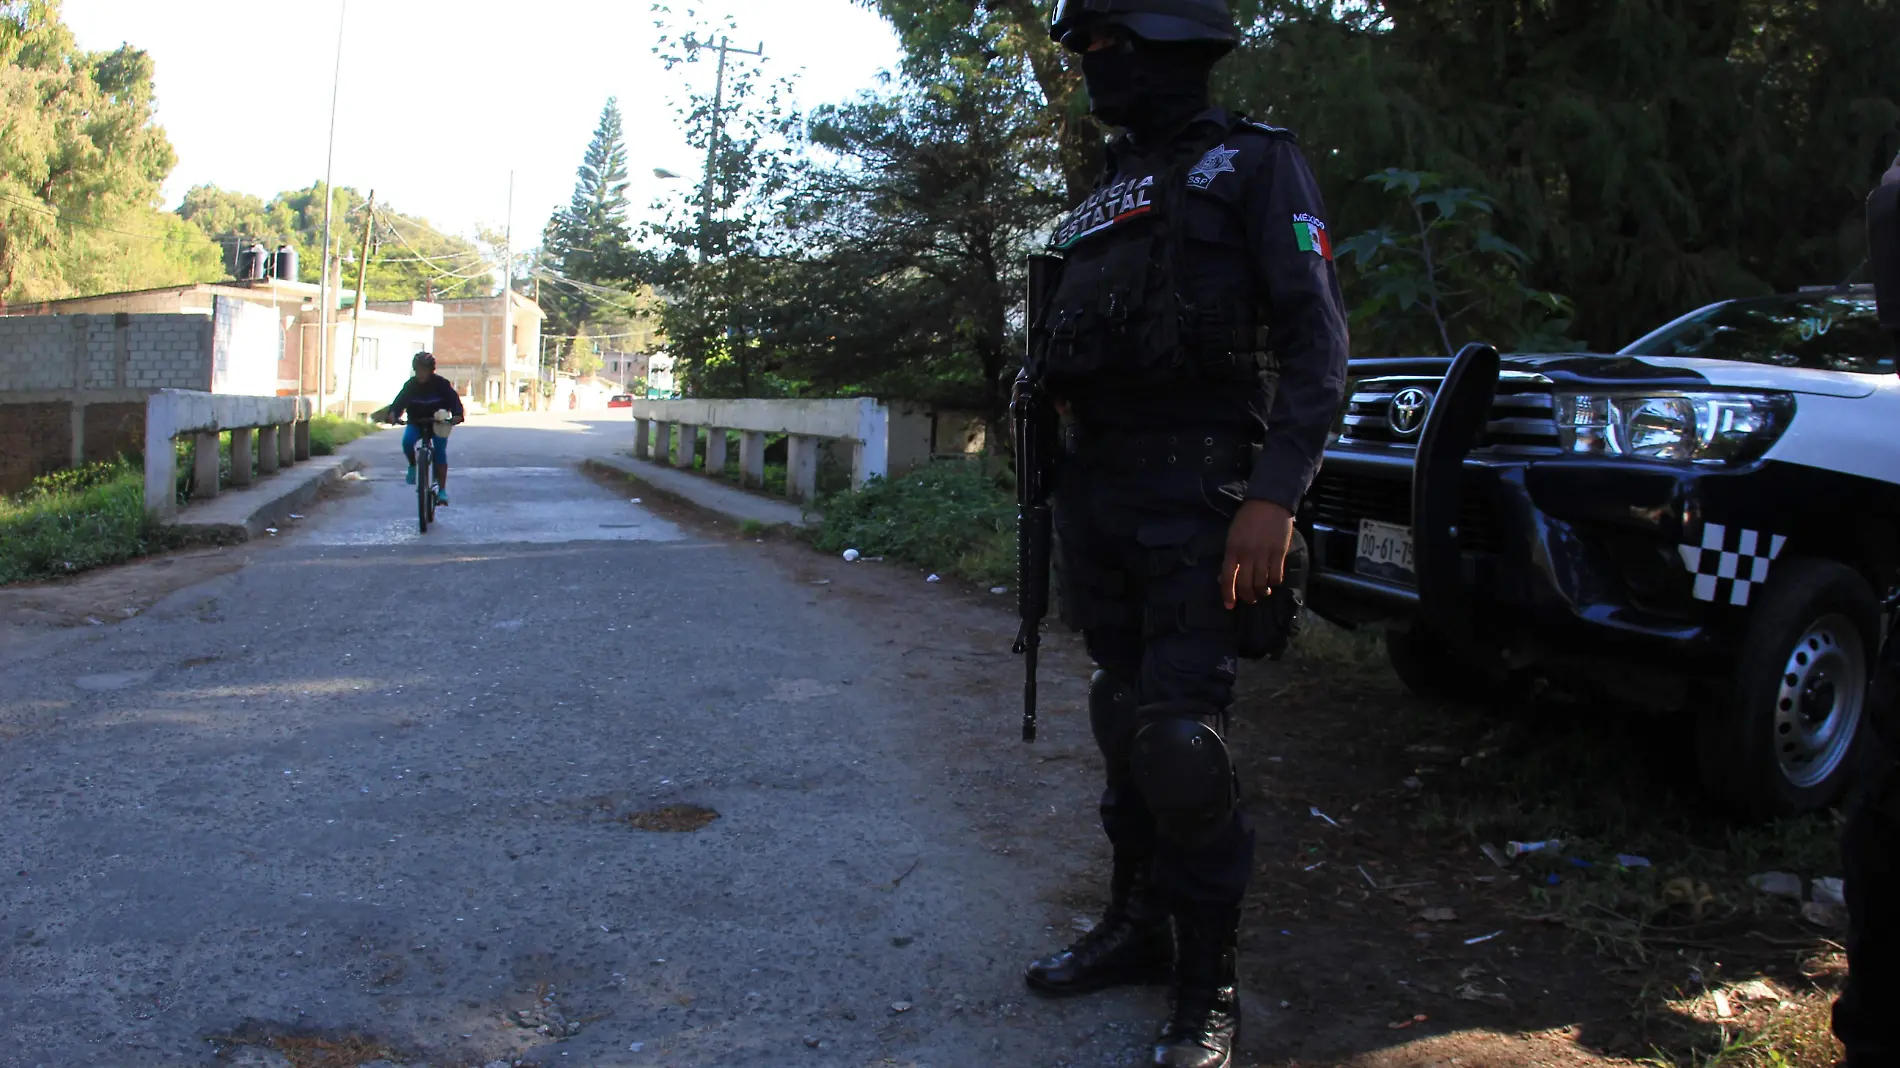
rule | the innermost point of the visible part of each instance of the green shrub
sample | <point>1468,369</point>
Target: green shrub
<point>954,517</point>
<point>328,433</point>
<point>75,520</point>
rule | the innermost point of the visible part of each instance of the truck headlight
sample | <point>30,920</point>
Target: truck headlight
<point>1683,427</point>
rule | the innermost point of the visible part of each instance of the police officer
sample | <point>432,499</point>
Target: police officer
<point>1195,343</point>
<point>1863,1017</point>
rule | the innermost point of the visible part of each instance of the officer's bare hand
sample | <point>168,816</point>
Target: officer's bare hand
<point>1257,543</point>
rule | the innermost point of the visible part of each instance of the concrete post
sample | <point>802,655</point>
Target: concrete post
<point>871,450</point>
<point>77,412</point>
<point>752,458</point>
<point>716,451</point>
<point>662,441</point>
<point>161,460</point>
<point>287,443</point>
<point>642,443</point>
<point>267,442</point>
<point>302,434</point>
<point>689,446</point>
<point>205,465</point>
<point>801,467</point>
<point>243,455</point>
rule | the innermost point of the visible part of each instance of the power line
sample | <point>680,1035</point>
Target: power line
<point>40,208</point>
<point>583,286</point>
<point>421,257</point>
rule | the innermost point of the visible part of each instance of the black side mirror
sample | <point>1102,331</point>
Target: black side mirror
<point>1883,250</point>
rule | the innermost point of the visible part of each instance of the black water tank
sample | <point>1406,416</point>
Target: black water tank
<point>286,260</point>
<point>247,262</point>
<point>259,263</point>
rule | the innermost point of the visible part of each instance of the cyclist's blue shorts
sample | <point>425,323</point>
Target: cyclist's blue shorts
<point>413,434</point>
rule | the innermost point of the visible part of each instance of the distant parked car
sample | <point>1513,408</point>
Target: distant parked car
<point>620,400</point>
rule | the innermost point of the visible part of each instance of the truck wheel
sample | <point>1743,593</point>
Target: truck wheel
<point>1783,740</point>
<point>1428,667</point>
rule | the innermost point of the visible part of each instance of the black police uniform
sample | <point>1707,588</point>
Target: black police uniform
<point>1163,419</point>
<point>1196,343</point>
<point>1870,848</point>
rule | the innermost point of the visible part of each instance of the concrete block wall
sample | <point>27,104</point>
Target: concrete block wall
<point>40,353</point>
<point>168,352</point>
<point>35,353</point>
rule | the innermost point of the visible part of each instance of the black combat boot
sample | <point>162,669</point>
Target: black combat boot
<point>1204,1006</point>
<point>1128,948</point>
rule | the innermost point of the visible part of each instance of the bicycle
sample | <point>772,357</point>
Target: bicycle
<point>428,491</point>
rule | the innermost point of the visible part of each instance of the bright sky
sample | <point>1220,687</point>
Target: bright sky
<point>440,99</point>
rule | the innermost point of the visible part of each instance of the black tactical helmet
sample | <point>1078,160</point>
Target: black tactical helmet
<point>1161,21</point>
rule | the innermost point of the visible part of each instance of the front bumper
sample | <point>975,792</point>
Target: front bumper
<point>1558,556</point>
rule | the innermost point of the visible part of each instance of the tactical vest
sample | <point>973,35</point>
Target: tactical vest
<point>1117,307</point>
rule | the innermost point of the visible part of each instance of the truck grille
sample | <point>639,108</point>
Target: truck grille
<point>1523,414</point>
<point>1340,499</point>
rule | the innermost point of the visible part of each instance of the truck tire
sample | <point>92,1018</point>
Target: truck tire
<point>1784,738</point>
<point>1428,667</point>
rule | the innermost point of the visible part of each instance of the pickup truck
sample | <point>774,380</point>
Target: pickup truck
<point>1705,522</point>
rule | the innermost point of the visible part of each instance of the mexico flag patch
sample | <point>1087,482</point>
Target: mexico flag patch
<point>1310,235</point>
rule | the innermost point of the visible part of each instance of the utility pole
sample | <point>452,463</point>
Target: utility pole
<point>712,144</point>
<point>508,291</point>
<point>356,313</point>
<point>323,260</point>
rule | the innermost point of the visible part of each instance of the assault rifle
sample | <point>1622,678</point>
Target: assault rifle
<point>1032,413</point>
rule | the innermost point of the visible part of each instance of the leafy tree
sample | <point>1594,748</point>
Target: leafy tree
<point>81,163</point>
<point>1015,35</point>
<point>409,259</point>
<point>937,193</point>
<point>1645,157</point>
<point>1436,276</point>
<point>716,246</point>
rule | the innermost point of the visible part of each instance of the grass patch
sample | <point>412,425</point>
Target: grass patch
<point>953,517</point>
<point>72,521</point>
<point>328,433</point>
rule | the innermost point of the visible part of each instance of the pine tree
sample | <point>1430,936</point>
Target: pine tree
<point>590,240</point>
<point>587,250</point>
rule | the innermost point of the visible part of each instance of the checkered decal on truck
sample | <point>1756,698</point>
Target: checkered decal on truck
<point>1729,562</point>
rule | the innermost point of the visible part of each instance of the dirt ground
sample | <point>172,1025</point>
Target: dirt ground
<point>1404,944</point>
<point>1388,939</point>
<point>1377,924</point>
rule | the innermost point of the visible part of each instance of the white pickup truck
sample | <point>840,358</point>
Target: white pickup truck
<point>1705,521</point>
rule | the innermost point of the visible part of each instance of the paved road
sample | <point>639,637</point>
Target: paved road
<point>380,783</point>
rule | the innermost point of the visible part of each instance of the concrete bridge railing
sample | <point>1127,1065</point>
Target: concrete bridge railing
<point>268,432</point>
<point>861,424</point>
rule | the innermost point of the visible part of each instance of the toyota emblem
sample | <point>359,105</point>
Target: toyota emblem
<point>1409,406</point>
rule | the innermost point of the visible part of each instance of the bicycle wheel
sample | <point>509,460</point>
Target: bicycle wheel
<point>425,493</point>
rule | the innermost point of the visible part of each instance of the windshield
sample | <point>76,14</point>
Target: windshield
<point>1834,331</point>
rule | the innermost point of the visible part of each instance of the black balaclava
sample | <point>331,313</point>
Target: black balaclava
<point>1151,90</point>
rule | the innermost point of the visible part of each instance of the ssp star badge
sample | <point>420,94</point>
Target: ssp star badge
<point>1310,235</point>
<point>1218,161</point>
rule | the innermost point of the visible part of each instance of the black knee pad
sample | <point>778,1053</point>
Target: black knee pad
<point>1184,772</point>
<point>1114,714</point>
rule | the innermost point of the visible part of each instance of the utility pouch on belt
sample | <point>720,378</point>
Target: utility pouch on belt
<point>1268,626</point>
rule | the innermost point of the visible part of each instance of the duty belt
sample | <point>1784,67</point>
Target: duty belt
<point>1223,450</point>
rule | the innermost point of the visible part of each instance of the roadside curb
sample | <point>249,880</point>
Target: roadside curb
<point>244,514</point>
<point>703,495</point>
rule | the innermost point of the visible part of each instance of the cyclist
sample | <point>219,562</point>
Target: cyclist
<point>421,397</point>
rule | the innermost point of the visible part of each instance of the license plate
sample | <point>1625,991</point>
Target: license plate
<point>1385,552</point>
